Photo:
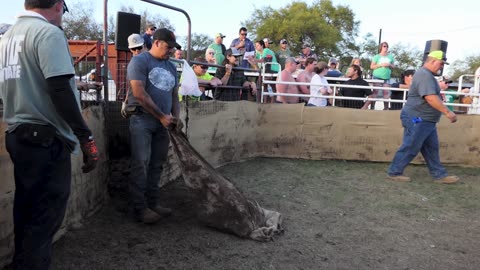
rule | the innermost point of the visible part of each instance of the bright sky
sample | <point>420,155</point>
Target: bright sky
<point>410,22</point>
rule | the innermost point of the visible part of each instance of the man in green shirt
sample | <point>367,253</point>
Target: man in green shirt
<point>219,48</point>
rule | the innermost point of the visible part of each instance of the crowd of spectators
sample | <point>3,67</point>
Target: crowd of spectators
<point>228,67</point>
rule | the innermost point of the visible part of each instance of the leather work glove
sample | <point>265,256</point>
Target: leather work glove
<point>176,125</point>
<point>90,155</point>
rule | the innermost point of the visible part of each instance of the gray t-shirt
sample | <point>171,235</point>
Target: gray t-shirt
<point>423,84</point>
<point>159,76</point>
<point>32,51</point>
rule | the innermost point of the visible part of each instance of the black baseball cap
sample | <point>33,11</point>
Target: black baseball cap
<point>167,36</point>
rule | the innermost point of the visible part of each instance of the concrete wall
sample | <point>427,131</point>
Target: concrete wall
<point>225,132</point>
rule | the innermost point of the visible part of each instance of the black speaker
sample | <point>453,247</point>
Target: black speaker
<point>434,45</point>
<point>127,24</point>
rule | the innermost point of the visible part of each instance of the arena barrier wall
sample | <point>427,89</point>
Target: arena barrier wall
<point>226,132</point>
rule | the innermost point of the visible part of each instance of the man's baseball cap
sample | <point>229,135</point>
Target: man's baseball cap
<point>291,60</point>
<point>305,45</point>
<point>151,26</point>
<point>167,36</point>
<point>267,40</point>
<point>283,41</point>
<point>219,35</point>
<point>332,61</point>
<point>444,79</point>
<point>439,55</point>
<point>135,40</point>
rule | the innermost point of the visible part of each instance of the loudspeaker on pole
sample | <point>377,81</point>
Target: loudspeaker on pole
<point>435,45</point>
<point>127,24</point>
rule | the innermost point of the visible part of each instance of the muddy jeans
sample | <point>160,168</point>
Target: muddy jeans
<point>42,185</point>
<point>149,148</point>
<point>418,137</point>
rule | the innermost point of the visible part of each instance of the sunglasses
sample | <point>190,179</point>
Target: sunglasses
<point>137,48</point>
<point>203,67</point>
<point>65,8</point>
<point>212,53</point>
<point>243,34</point>
<point>153,29</point>
<point>385,46</point>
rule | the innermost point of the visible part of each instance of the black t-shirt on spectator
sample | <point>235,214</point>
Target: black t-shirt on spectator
<point>355,92</point>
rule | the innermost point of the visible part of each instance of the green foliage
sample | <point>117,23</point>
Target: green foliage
<point>330,30</point>
<point>79,23</point>
<point>199,44</point>
<point>467,66</point>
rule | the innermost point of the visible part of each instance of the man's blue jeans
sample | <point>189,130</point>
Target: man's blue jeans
<point>418,137</point>
<point>149,143</point>
<point>42,187</point>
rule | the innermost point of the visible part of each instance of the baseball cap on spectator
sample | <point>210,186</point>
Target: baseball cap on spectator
<point>167,36</point>
<point>233,51</point>
<point>291,60</point>
<point>408,72</point>
<point>219,35</point>
<point>135,40</point>
<point>332,61</point>
<point>267,40</point>
<point>283,41</point>
<point>151,26</point>
<point>305,45</point>
<point>444,79</point>
<point>439,55</point>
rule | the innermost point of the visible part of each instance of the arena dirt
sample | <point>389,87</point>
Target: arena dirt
<point>337,215</point>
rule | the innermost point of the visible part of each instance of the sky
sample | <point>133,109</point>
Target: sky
<point>408,22</point>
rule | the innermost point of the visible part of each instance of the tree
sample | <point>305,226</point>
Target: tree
<point>199,43</point>
<point>80,24</point>
<point>467,66</point>
<point>330,30</point>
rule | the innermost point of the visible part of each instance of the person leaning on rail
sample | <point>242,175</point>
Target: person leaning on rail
<point>239,86</point>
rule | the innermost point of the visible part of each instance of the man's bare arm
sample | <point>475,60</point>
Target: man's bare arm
<point>138,91</point>
<point>437,104</point>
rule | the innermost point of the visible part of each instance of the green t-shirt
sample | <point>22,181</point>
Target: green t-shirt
<point>218,52</point>
<point>383,72</point>
<point>282,55</point>
<point>37,50</point>
<point>264,54</point>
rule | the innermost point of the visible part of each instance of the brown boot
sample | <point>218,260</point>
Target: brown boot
<point>451,179</point>
<point>148,216</point>
<point>162,211</point>
<point>399,178</point>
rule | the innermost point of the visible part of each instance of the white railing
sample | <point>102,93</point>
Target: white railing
<point>474,106</point>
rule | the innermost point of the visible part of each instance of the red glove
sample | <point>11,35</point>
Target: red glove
<point>90,155</point>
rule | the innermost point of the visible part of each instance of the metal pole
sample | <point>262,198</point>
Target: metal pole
<point>189,34</point>
<point>105,54</point>
<point>380,37</point>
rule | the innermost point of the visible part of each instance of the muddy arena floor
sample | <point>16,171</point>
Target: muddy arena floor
<point>337,215</point>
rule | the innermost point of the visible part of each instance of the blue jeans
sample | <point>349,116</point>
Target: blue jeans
<point>42,187</point>
<point>418,137</point>
<point>149,143</point>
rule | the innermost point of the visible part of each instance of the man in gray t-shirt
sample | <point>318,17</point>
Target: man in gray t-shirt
<point>154,90</point>
<point>419,118</point>
<point>44,125</point>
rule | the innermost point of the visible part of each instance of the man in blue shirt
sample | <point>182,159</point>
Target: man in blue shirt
<point>243,45</point>
<point>154,90</point>
<point>147,36</point>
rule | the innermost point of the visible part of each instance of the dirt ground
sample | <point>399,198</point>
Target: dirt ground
<point>337,215</point>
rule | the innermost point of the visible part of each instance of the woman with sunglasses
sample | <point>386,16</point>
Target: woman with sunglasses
<point>382,65</point>
<point>210,57</point>
<point>135,44</point>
